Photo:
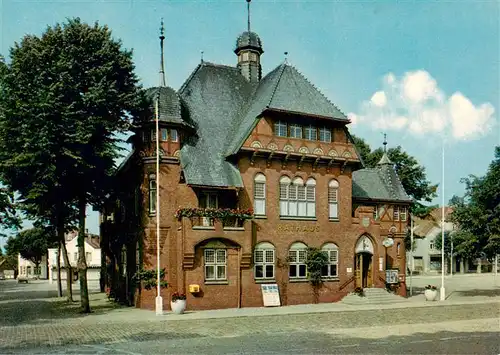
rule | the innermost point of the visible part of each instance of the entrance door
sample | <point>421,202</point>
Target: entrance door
<point>364,270</point>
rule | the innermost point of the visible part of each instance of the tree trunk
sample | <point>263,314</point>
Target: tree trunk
<point>58,266</point>
<point>69,274</point>
<point>82,264</point>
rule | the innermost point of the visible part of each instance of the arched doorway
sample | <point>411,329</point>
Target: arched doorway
<point>364,262</point>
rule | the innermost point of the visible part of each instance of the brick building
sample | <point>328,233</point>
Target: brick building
<point>233,140</point>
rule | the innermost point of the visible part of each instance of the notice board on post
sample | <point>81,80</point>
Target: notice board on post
<point>270,295</point>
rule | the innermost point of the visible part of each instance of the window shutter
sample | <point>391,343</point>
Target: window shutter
<point>260,191</point>
<point>332,195</point>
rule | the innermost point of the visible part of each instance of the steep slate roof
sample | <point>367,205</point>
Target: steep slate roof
<point>380,183</point>
<point>284,88</point>
<point>214,96</point>
<point>169,105</point>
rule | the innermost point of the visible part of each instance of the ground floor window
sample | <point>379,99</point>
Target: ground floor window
<point>297,261</point>
<point>215,264</point>
<point>331,269</point>
<point>264,257</point>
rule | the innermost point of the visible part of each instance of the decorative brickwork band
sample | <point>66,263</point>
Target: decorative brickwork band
<point>188,261</point>
<point>246,260</point>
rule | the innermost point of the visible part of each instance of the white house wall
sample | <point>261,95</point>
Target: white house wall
<point>27,268</point>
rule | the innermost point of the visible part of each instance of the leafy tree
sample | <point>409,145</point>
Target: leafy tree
<point>32,244</point>
<point>65,97</point>
<point>411,173</point>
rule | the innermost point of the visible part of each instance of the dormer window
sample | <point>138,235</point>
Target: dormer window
<point>325,135</point>
<point>280,129</point>
<point>311,133</point>
<point>173,135</point>
<point>296,131</point>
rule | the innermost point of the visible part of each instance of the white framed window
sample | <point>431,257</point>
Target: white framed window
<point>215,264</point>
<point>163,134</point>
<point>174,137</point>
<point>325,135</point>
<point>280,129</point>
<point>311,133</point>
<point>432,246</point>
<point>208,200</point>
<point>88,257</point>
<point>295,131</point>
<point>311,197</point>
<point>152,194</point>
<point>333,199</point>
<point>259,195</point>
<point>396,213</point>
<point>331,269</point>
<point>153,135</point>
<point>29,270</point>
<point>403,213</point>
<point>297,256</point>
<point>264,261</point>
<point>296,198</point>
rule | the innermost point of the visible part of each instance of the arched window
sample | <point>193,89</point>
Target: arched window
<point>331,269</point>
<point>296,198</point>
<point>264,261</point>
<point>311,197</point>
<point>284,195</point>
<point>297,261</point>
<point>152,194</point>
<point>259,195</point>
<point>333,199</point>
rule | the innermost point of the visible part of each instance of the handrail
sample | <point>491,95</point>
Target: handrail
<point>344,285</point>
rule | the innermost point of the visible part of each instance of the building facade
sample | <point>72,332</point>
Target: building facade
<point>92,257</point>
<point>254,170</point>
<point>28,269</point>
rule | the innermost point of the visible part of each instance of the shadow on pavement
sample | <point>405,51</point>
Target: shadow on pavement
<point>477,292</point>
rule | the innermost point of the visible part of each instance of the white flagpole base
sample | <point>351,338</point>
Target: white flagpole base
<point>159,305</point>
<point>442,295</point>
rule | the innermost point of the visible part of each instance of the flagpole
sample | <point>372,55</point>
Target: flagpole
<point>159,299</point>
<point>411,254</point>
<point>442,291</point>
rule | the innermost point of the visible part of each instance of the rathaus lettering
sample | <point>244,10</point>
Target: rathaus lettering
<point>297,228</point>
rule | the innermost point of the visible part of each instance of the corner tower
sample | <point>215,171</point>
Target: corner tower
<point>249,49</point>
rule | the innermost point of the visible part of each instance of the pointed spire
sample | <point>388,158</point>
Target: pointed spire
<point>385,158</point>
<point>286,57</point>
<point>248,13</point>
<point>202,56</point>
<point>162,70</point>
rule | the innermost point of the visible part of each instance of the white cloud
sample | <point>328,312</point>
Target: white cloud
<point>415,103</point>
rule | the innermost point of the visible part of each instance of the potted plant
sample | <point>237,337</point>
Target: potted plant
<point>430,293</point>
<point>178,303</point>
<point>359,291</point>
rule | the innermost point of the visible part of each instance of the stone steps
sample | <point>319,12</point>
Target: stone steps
<point>373,296</point>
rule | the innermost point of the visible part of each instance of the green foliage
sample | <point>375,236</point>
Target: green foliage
<point>148,278</point>
<point>412,175</point>
<point>316,260</point>
<point>218,213</point>
<point>477,213</point>
<point>32,244</point>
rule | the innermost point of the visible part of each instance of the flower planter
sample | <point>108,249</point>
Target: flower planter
<point>430,295</point>
<point>178,307</point>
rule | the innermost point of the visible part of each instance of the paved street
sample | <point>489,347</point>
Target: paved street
<point>33,321</point>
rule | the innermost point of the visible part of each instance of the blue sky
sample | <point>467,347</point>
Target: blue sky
<point>421,71</point>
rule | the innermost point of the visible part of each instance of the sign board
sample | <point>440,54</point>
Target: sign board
<point>388,242</point>
<point>349,270</point>
<point>391,276</point>
<point>270,295</point>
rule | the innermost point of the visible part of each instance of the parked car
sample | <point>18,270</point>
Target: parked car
<point>22,278</point>
<point>2,276</point>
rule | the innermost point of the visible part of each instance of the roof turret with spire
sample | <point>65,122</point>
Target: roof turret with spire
<point>249,49</point>
<point>385,158</point>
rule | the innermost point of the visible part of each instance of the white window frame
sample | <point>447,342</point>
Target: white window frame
<point>323,133</point>
<point>264,256</point>
<point>403,213</point>
<point>174,135</point>
<point>333,199</point>
<point>216,264</point>
<point>311,129</point>
<point>259,195</point>
<point>332,252</point>
<point>88,257</point>
<point>163,134</point>
<point>311,197</point>
<point>297,255</point>
<point>296,131</point>
<point>206,199</point>
<point>278,127</point>
<point>152,194</point>
<point>395,213</point>
<point>297,199</point>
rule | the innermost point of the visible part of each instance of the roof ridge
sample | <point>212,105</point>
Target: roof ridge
<point>190,77</point>
<point>319,91</point>
<point>219,65</point>
<point>283,66</point>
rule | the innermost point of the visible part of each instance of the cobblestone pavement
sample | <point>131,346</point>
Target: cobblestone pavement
<point>32,320</point>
